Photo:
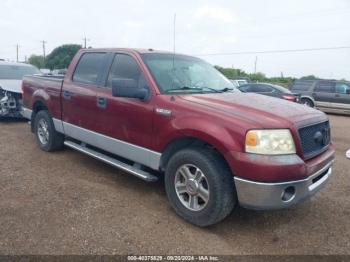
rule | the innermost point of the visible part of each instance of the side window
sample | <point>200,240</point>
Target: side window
<point>88,68</point>
<point>245,88</point>
<point>263,89</point>
<point>325,87</point>
<point>342,88</point>
<point>125,67</point>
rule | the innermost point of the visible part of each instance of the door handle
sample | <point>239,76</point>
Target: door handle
<point>101,102</point>
<point>67,95</point>
<point>337,95</point>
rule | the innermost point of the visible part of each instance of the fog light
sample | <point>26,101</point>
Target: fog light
<point>288,194</point>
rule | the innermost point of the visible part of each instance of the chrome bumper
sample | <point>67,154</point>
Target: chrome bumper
<point>27,113</point>
<point>262,196</point>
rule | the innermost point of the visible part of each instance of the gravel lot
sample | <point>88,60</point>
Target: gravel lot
<point>69,203</point>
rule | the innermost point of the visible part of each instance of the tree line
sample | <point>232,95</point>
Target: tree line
<point>233,73</point>
<point>61,56</point>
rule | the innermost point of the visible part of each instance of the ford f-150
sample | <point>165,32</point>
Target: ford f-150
<point>154,114</point>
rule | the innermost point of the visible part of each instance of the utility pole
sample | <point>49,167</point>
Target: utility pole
<point>17,50</point>
<point>85,41</point>
<point>44,50</point>
<point>256,61</point>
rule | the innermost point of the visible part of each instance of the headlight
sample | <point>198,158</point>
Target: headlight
<point>270,142</point>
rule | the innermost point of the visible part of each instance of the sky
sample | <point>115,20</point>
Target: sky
<point>202,28</point>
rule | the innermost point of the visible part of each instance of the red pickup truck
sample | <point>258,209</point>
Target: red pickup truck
<point>154,114</point>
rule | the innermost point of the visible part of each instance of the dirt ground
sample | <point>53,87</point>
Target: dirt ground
<point>69,203</point>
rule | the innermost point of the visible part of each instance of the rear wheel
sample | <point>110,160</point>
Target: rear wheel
<point>308,102</point>
<point>47,137</point>
<point>200,186</point>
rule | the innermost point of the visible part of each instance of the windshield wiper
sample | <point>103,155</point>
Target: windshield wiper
<point>200,89</point>
<point>184,88</point>
<point>193,88</point>
<point>226,89</point>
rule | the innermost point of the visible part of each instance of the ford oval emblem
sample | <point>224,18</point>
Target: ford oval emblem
<point>318,138</point>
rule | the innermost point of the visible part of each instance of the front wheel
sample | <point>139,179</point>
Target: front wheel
<point>47,137</point>
<point>200,186</point>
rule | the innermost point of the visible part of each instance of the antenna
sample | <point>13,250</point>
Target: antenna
<point>174,47</point>
<point>174,37</point>
<point>256,61</point>
<point>17,52</point>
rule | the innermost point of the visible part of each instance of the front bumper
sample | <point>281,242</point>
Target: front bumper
<point>261,196</point>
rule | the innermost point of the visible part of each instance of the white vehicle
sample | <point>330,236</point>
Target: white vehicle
<point>238,82</point>
<point>11,75</point>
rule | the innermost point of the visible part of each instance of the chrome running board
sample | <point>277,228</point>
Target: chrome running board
<point>112,161</point>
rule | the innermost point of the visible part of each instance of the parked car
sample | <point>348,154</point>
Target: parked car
<point>327,95</point>
<point>154,114</point>
<point>59,71</point>
<point>45,71</point>
<point>270,90</point>
<point>239,82</point>
<point>11,75</point>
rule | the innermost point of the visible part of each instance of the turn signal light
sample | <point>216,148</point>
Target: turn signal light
<point>251,139</point>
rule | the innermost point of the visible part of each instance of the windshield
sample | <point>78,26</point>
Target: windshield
<point>185,74</point>
<point>16,72</point>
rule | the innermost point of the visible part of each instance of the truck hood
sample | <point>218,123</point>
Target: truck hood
<point>11,85</point>
<point>263,111</point>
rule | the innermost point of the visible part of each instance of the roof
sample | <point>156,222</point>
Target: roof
<point>137,50</point>
<point>14,64</point>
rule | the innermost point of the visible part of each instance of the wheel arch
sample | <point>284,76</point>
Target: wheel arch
<point>308,97</point>
<point>37,106</point>
<point>183,142</point>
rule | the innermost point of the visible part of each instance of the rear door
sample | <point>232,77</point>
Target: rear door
<point>324,93</point>
<point>79,94</point>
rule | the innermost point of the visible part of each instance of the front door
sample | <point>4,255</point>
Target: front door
<point>126,123</point>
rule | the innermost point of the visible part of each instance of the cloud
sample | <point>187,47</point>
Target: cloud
<point>134,24</point>
<point>214,12</point>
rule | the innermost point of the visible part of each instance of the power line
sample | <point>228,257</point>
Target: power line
<point>277,51</point>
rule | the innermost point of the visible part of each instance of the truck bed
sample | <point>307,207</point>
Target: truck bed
<point>50,85</point>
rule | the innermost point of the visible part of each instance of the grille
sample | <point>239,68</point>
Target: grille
<point>314,139</point>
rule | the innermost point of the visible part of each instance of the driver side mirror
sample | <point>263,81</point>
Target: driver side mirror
<point>347,91</point>
<point>126,87</point>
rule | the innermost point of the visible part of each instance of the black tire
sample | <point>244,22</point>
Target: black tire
<point>55,140</point>
<point>222,193</point>
<point>308,102</point>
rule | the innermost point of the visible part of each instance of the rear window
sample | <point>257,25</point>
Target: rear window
<point>301,85</point>
<point>88,68</point>
<point>16,72</point>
